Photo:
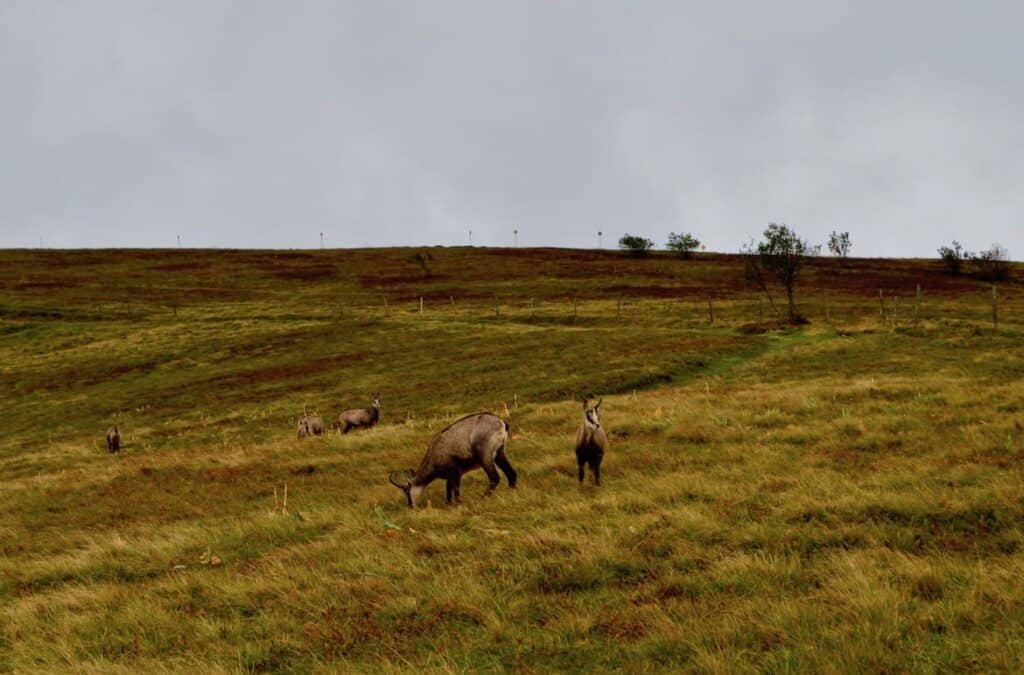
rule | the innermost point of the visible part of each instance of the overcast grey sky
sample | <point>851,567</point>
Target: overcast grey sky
<point>261,124</point>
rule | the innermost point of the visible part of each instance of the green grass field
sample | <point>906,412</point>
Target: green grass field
<point>846,496</point>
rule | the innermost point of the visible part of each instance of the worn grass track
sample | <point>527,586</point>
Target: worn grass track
<point>839,497</point>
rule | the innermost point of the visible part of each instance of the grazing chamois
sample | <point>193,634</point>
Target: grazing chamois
<point>311,425</point>
<point>113,439</point>
<point>475,441</point>
<point>591,441</point>
<point>360,417</point>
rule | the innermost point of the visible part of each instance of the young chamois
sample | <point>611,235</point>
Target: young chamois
<point>113,439</point>
<point>591,441</point>
<point>311,425</point>
<point>476,441</point>
<point>360,417</point>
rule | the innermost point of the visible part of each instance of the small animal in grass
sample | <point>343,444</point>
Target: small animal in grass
<point>591,442</point>
<point>113,439</point>
<point>477,441</point>
<point>360,418</point>
<point>311,425</point>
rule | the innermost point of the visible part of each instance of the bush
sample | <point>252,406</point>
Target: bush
<point>684,244</point>
<point>993,264</point>
<point>638,247</point>
<point>953,256</point>
<point>425,262</point>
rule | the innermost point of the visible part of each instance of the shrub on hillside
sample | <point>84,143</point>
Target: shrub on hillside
<point>684,243</point>
<point>953,256</point>
<point>638,247</point>
<point>425,261</point>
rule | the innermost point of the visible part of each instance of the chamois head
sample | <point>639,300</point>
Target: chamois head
<point>592,416</point>
<point>376,399</point>
<point>403,481</point>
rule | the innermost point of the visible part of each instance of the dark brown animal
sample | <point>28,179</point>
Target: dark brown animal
<point>475,441</point>
<point>113,439</point>
<point>360,417</point>
<point>591,442</point>
<point>311,425</point>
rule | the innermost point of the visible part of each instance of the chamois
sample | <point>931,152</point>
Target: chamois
<point>360,417</point>
<point>311,425</point>
<point>475,441</point>
<point>591,441</point>
<point>113,439</point>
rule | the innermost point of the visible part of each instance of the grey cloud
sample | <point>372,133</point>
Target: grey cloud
<point>386,123</point>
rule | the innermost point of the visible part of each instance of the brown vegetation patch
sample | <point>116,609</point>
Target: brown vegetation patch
<point>192,266</point>
<point>312,272</point>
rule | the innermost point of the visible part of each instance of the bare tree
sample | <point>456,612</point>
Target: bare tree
<point>992,264</point>
<point>839,244</point>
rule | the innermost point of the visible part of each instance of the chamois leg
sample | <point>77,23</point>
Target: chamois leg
<point>595,468</point>
<point>581,472</point>
<point>492,478</point>
<point>449,489</point>
<point>501,459</point>
<point>456,484</point>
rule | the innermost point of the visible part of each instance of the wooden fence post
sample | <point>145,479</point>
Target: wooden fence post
<point>421,304</point>
<point>995,309</point>
<point>917,305</point>
<point>895,309</point>
<point>451,299</point>
<point>711,312</point>
<point>533,307</point>
<point>881,306</point>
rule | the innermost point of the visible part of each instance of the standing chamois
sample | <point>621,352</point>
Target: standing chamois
<point>476,441</point>
<point>591,441</point>
<point>113,439</point>
<point>311,425</point>
<point>360,417</point>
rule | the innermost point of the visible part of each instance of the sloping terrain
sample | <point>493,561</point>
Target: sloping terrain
<point>843,496</point>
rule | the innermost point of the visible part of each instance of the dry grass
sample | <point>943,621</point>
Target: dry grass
<point>837,498</point>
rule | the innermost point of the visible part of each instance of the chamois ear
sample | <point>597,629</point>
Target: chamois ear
<point>599,401</point>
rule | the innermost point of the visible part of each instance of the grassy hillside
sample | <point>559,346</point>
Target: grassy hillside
<point>843,496</point>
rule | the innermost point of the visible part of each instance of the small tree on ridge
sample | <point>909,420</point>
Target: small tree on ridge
<point>954,256</point>
<point>684,244</point>
<point>638,247</point>
<point>782,254</point>
<point>839,244</point>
